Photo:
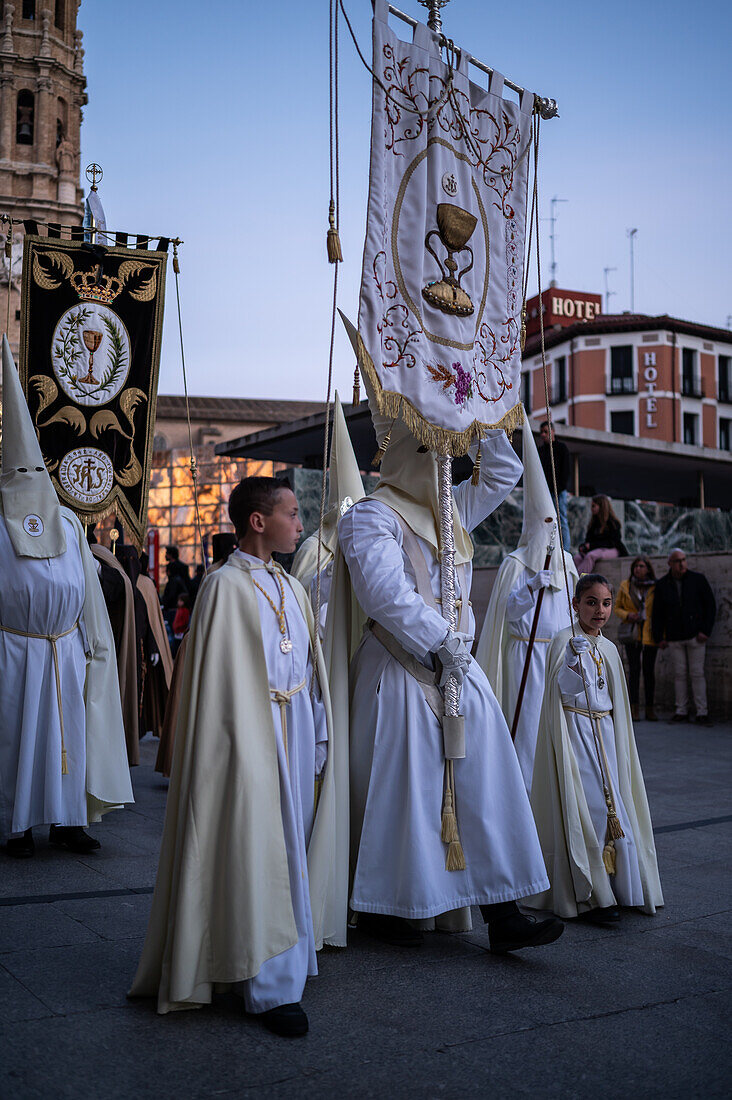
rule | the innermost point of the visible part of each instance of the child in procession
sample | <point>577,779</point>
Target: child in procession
<point>588,795</point>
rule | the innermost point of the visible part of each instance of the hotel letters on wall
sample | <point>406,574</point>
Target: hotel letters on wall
<point>90,353</point>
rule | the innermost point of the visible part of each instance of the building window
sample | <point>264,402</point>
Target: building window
<point>559,378</point>
<point>689,385</point>
<point>691,422</point>
<point>24,118</point>
<point>526,391</point>
<point>60,17</point>
<point>724,378</point>
<point>623,422</point>
<point>621,369</point>
<point>29,9</point>
<point>725,434</point>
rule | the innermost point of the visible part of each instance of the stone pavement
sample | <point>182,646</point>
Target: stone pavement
<point>642,1009</point>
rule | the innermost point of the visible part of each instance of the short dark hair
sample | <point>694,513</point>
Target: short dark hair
<point>254,494</point>
<point>544,424</point>
<point>172,552</point>
<point>587,580</point>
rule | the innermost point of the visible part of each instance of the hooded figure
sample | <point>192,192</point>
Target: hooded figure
<point>62,747</point>
<point>504,640</point>
<point>402,829</point>
<point>345,487</point>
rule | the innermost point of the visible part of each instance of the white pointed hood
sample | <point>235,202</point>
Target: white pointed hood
<point>408,481</point>
<point>345,477</point>
<point>29,502</point>
<point>538,507</point>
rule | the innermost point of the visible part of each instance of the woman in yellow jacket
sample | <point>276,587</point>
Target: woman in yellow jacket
<point>634,607</point>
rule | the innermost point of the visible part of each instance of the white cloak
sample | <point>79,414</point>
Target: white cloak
<point>50,596</point>
<point>397,761</point>
<point>567,797</point>
<point>503,645</point>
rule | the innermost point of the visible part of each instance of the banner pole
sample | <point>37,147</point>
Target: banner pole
<point>447,570</point>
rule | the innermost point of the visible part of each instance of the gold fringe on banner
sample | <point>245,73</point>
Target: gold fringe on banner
<point>432,436</point>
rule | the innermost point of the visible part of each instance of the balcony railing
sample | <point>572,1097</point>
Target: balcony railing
<point>623,385</point>
<point>691,389</point>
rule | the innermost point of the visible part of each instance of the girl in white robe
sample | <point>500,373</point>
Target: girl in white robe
<point>585,754</point>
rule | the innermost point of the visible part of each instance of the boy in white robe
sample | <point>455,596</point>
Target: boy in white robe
<point>504,640</point>
<point>244,890</point>
<point>62,747</point>
<point>390,543</point>
<point>588,795</point>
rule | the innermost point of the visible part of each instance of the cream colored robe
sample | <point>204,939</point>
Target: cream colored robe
<point>572,852</point>
<point>222,903</point>
<point>126,659</point>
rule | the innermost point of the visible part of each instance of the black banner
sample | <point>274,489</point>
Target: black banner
<point>91,329</point>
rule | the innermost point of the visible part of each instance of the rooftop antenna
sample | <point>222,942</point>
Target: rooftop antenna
<point>729,320</point>
<point>631,235</point>
<point>608,292</point>
<point>552,237</point>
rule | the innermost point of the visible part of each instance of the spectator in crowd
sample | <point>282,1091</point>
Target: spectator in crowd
<point>603,539</point>
<point>561,467</point>
<point>634,607</point>
<point>177,585</point>
<point>683,618</point>
<point>172,557</point>
<point>182,619</point>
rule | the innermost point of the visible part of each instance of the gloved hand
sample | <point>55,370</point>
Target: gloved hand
<point>576,646</point>
<point>454,656</point>
<point>542,579</point>
<point>155,658</point>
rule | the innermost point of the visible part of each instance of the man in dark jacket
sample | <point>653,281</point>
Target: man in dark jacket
<point>683,617</point>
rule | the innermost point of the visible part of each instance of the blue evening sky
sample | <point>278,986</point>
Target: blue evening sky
<point>211,123</point>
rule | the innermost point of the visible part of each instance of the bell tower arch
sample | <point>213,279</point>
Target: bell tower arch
<point>42,95</point>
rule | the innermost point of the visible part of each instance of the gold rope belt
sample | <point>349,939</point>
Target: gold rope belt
<point>587,713</point>
<point>526,638</point>
<point>282,698</point>
<point>52,638</point>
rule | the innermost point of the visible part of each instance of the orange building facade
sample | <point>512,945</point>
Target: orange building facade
<point>651,377</point>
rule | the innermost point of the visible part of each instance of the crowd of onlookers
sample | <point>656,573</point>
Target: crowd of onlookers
<point>675,612</point>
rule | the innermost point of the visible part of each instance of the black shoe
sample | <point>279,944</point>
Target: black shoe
<point>517,931</point>
<point>21,847</point>
<point>680,718</point>
<point>392,930</point>
<point>287,1020</point>
<point>607,914</point>
<point>72,837</point>
<point>703,720</point>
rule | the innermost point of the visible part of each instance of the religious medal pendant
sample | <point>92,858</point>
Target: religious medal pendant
<point>600,683</point>
<point>286,645</point>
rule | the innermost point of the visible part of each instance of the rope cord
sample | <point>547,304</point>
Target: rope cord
<point>9,257</point>
<point>599,748</point>
<point>194,470</point>
<point>334,205</point>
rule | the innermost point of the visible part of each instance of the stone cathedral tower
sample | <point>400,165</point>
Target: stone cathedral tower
<point>42,93</point>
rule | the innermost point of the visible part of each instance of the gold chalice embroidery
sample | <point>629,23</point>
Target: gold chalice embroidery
<point>454,228</point>
<point>92,339</point>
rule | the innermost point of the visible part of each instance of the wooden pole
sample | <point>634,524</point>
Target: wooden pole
<point>532,637</point>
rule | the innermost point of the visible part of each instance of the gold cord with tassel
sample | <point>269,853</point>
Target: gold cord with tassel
<point>333,241</point>
<point>356,386</point>
<point>384,446</point>
<point>449,834</point>
<point>475,476</point>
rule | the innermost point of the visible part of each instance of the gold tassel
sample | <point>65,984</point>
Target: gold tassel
<point>333,241</point>
<point>475,476</point>
<point>449,834</point>
<point>455,857</point>
<point>614,828</point>
<point>376,461</point>
<point>523,328</point>
<point>64,763</point>
<point>608,857</point>
<point>356,387</point>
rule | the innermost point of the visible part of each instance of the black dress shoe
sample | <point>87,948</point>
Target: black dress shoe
<point>395,931</point>
<point>703,720</point>
<point>680,718</point>
<point>601,914</point>
<point>21,847</point>
<point>287,1020</point>
<point>72,837</point>
<point>517,931</point>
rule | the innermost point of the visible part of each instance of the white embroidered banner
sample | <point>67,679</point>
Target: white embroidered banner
<point>441,290</point>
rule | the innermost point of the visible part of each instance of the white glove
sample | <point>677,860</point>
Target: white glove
<point>575,647</point>
<point>454,656</point>
<point>541,579</point>
<point>154,659</point>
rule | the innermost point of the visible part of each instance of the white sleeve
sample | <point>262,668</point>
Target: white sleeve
<point>521,599</point>
<point>371,540</point>
<point>500,470</point>
<point>570,680</point>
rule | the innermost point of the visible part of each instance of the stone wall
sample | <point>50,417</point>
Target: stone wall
<point>717,568</point>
